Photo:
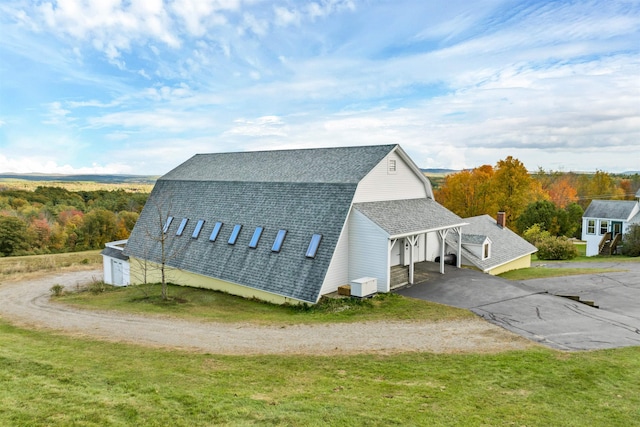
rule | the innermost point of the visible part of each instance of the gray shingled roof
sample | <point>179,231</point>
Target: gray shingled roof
<point>328,165</point>
<point>506,245</point>
<point>610,209</point>
<point>302,191</point>
<point>403,217</point>
<point>474,239</point>
<point>114,253</point>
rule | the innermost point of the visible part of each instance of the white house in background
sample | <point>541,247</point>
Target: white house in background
<point>605,221</point>
<point>115,264</point>
<point>489,246</point>
<point>291,225</point>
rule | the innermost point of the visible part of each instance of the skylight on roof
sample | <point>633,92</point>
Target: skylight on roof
<point>313,246</point>
<point>167,224</point>
<point>255,238</point>
<point>183,224</point>
<point>198,228</point>
<point>234,234</point>
<point>215,232</point>
<point>277,244</point>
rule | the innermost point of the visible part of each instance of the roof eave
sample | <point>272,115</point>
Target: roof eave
<point>413,233</point>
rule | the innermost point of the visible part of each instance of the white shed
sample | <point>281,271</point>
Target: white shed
<point>115,264</point>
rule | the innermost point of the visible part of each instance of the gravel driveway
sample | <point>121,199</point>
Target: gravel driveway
<point>27,304</point>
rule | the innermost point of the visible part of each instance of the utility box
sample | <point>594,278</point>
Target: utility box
<point>364,286</point>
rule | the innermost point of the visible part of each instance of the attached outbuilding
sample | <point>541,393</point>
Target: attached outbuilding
<point>115,264</point>
<point>291,225</point>
<point>491,247</point>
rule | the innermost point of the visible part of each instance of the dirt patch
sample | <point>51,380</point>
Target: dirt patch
<point>27,303</point>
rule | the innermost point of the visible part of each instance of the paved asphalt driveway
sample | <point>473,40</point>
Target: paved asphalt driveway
<point>532,309</point>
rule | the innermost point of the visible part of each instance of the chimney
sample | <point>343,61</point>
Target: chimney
<point>502,219</point>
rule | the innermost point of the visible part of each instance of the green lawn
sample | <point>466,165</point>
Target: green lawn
<point>542,272</point>
<point>203,304</point>
<point>53,380</point>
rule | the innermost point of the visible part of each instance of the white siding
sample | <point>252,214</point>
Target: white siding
<point>432,248</point>
<point>338,271</point>
<point>380,184</point>
<point>106,267</point>
<point>368,250</point>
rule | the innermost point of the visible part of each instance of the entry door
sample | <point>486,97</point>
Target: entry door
<point>616,228</point>
<point>117,274</point>
<point>406,252</point>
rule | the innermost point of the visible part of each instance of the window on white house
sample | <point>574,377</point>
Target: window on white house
<point>392,166</point>
<point>234,234</point>
<point>277,244</point>
<point>183,224</point>
<point>198,229</point>
<point>313,246</point>
<point>604,226</point>
<point>255,238</point>
<point>591,226</point>
<point>215,232</point>
<point>486,251</point>
<point>167,224</point>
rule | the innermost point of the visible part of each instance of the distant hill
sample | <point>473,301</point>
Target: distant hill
<point>439,171</point>
<point>106,179</point>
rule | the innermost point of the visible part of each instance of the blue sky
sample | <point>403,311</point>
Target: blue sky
<point>137,87</point>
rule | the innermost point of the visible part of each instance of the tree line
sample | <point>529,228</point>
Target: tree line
<point>554,200</point>
<point>53,219</point>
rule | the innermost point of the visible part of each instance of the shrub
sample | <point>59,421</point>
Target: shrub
<point>57,290</point>
<point>535,234</point>
<point>97,287</point>
<point>556,248</point>
<point>631,241</point>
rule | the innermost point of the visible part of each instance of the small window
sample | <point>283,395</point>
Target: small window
<point>486,252</point>
<point>392,166</point>
<point>591,226</point>
<point>313,246</point>
<point>167,224</point>
<point>198,229</point>
<point>255,238</point>
<point>183,224</point>
<point>277,244</point>
<point>234,234</point>
<point>215,232</point>
<point>604,227</point>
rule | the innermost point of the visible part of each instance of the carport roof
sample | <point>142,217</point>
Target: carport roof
<point>401,218</point>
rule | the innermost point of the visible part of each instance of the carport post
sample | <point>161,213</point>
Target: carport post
<point>443,234</point>
<point>459,231</point>
<point>412,241</point>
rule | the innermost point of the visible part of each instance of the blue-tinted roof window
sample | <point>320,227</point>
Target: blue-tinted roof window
<point>277,244</point>
<point>167,224</point>
<point>215,232</point>
<point>234,234</point>
<point>198,229</point>
<point>313,246</point>
<point>183,224</point>
<point>255,238</point>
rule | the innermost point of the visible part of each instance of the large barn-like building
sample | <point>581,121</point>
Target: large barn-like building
<point>290,225</point>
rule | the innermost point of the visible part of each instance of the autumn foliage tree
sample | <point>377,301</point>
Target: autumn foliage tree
<point>486,190</point>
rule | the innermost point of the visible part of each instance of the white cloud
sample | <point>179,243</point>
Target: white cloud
<point>36,164</point>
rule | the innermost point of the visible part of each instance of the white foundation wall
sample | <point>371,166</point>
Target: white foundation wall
<point>380,184</point>
<point>368,250</point>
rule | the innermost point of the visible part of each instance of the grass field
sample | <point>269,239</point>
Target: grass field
<point>29,185</point>
<point>202,304</point>
<point>61,381</point>
<point>52,380</point>
<point>22,267</point>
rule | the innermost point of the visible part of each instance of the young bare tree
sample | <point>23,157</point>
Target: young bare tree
<point>156,235</point>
